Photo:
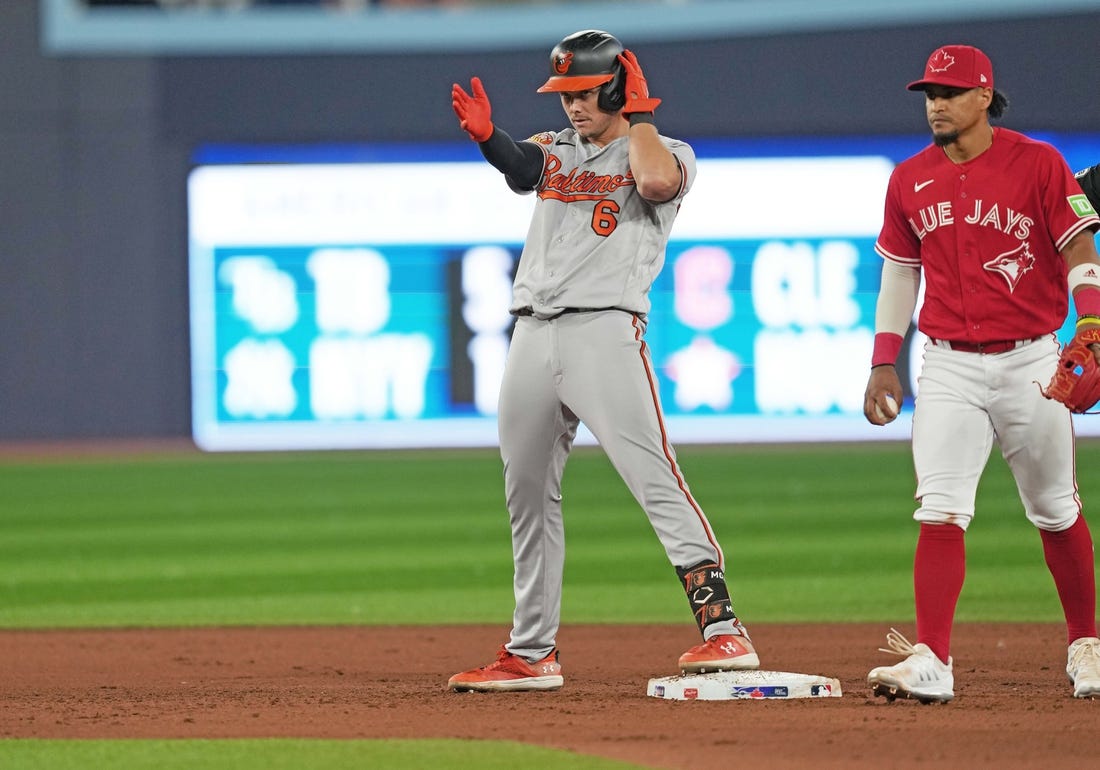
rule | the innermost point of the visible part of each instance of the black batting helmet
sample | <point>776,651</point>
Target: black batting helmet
<point>587,59</point>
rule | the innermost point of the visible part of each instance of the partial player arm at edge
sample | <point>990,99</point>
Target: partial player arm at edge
<point>521,162</point>
<point>1089,179</point>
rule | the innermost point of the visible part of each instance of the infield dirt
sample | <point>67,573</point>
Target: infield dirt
<point>1013,706</point>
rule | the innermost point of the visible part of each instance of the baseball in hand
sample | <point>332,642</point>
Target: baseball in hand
<point>891,409</point>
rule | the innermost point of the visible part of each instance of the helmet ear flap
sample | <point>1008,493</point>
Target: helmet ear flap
<point>612,94</point>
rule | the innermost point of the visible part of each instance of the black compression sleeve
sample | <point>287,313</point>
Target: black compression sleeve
<point>1089,179</point>
<point>521,162</point>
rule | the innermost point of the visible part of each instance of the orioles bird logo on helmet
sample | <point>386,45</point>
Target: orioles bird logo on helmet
<point>562,62</point>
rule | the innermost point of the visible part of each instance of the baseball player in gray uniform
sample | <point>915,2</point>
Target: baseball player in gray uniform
<point>608,189</point>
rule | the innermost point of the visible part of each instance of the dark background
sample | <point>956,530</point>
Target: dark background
<point>95,151</point>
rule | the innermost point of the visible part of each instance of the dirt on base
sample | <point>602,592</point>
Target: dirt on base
<point>1013,704</point>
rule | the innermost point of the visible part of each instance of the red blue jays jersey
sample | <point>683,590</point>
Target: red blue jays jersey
<point>987,235</point>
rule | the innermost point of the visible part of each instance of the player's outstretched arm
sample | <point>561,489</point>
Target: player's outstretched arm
<point>475,114</point>
<point>519,161</point>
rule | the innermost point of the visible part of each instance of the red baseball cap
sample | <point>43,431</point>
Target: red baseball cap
<point>956,66</point>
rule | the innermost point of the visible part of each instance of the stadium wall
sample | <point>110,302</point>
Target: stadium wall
<point>95,151</point>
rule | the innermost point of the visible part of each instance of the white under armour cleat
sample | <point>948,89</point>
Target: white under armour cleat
<point>1083,667</point>
<point>921,676</point>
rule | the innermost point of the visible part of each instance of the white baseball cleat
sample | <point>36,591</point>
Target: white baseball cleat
<point>1083,667</point>
<point>921,676</point>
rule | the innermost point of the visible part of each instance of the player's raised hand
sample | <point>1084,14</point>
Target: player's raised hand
<point>637,90</point>
<point>473,110</point>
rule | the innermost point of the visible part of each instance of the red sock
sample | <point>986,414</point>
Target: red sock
<point>939,568</point>
<point>1070,561</point>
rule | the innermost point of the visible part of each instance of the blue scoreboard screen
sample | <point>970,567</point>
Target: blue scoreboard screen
<point>357,297</point>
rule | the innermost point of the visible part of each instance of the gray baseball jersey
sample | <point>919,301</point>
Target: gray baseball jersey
<point>578,354</point>
<point>593,241</point>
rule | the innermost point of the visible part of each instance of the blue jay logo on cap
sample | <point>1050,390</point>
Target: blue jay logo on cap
<point>940,61</point>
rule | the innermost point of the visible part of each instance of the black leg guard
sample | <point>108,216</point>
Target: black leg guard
<point>705,585</point>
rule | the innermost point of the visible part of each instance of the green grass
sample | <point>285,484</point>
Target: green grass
<point>281,754</point>
<point>810,534</point>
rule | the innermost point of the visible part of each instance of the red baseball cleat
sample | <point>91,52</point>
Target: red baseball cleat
<point>511,673</point>
<point>726,652</point>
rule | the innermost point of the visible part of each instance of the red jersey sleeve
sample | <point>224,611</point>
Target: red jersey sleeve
<point>896,240</point>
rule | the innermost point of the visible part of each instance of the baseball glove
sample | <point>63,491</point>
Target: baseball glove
<point>1076,381</point>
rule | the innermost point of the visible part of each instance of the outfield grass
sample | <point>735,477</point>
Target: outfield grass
<point>811,534</point>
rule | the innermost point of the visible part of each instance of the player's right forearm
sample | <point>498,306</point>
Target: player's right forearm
<point>897,299</point>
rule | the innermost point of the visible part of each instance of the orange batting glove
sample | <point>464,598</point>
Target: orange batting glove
<point>473,111</point>
<point>637,92</point>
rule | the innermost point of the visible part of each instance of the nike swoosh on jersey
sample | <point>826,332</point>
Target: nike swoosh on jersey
<point>918,186</point>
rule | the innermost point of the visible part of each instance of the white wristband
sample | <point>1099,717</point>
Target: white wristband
<point>1084,274</point>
